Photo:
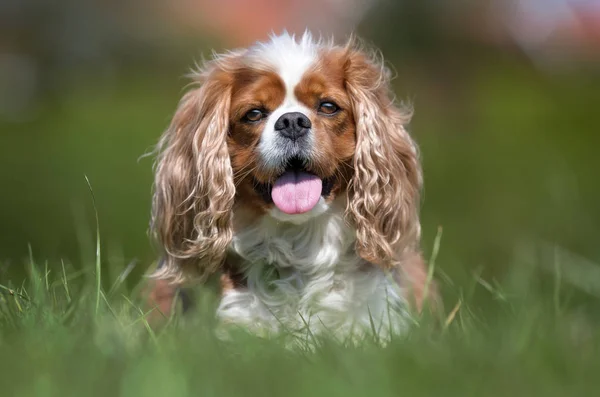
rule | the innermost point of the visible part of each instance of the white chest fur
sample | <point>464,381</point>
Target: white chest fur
<point>308,276</point>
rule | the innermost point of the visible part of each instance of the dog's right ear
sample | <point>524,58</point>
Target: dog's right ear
<point>193,186</point>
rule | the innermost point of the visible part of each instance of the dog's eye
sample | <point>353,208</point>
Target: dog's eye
<point>254,115</point>
<point>328,108</point>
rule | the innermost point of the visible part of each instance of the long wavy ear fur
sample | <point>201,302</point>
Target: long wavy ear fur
<point>193,187</point>
<point>383,201</point>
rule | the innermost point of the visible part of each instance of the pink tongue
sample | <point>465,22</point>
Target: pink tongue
<point>296,192</point>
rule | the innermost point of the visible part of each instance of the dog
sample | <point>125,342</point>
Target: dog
<point>288,170</point>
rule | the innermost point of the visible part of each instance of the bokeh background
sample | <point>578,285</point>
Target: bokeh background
<point>505,93</point>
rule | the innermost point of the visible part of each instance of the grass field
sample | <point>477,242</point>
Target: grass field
<point>63,334</point>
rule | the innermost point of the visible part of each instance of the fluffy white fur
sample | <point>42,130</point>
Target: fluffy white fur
<point>309,274</point>
<point>287,56</point>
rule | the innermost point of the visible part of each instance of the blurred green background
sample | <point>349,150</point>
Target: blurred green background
<point>506,123</point>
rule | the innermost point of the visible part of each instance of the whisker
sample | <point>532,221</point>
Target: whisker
<point>241,178</point>
<point>241,169</point>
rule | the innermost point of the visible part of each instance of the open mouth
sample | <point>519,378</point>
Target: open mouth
<point>296,190</point>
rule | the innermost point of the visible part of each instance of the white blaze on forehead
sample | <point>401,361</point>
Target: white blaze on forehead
<point>289,58</point>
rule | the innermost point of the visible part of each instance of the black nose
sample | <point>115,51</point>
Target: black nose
<point>293,125</point>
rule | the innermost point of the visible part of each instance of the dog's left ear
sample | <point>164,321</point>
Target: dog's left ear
<point>383,200</point>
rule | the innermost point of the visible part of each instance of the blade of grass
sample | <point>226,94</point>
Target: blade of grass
<point>122,277</point>
<point>348,338</point>
<point>23,291</point>
<point>98,258</point>
<point>495,291</point>
<point>309,332</point>
<point>389,315</point>
<point>34,275</point>
<point>70,312</point>
<point>432,259</point>
<point>46,274</point>
<point>328,332</point>
<point>14,294</point>
<point>452,314</point>
<point>143,319</point>
<point>376,338</point>
<point>65,283</point>
<point>69,277</point>
<point>110,309</point>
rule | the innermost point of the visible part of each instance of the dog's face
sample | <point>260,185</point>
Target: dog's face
<point>292,138</point>
<point>282,129</point>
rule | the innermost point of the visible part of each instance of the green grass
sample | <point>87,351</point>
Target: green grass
<point>62,334</point>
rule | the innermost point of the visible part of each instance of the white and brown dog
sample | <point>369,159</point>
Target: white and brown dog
<point>288,169</point>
